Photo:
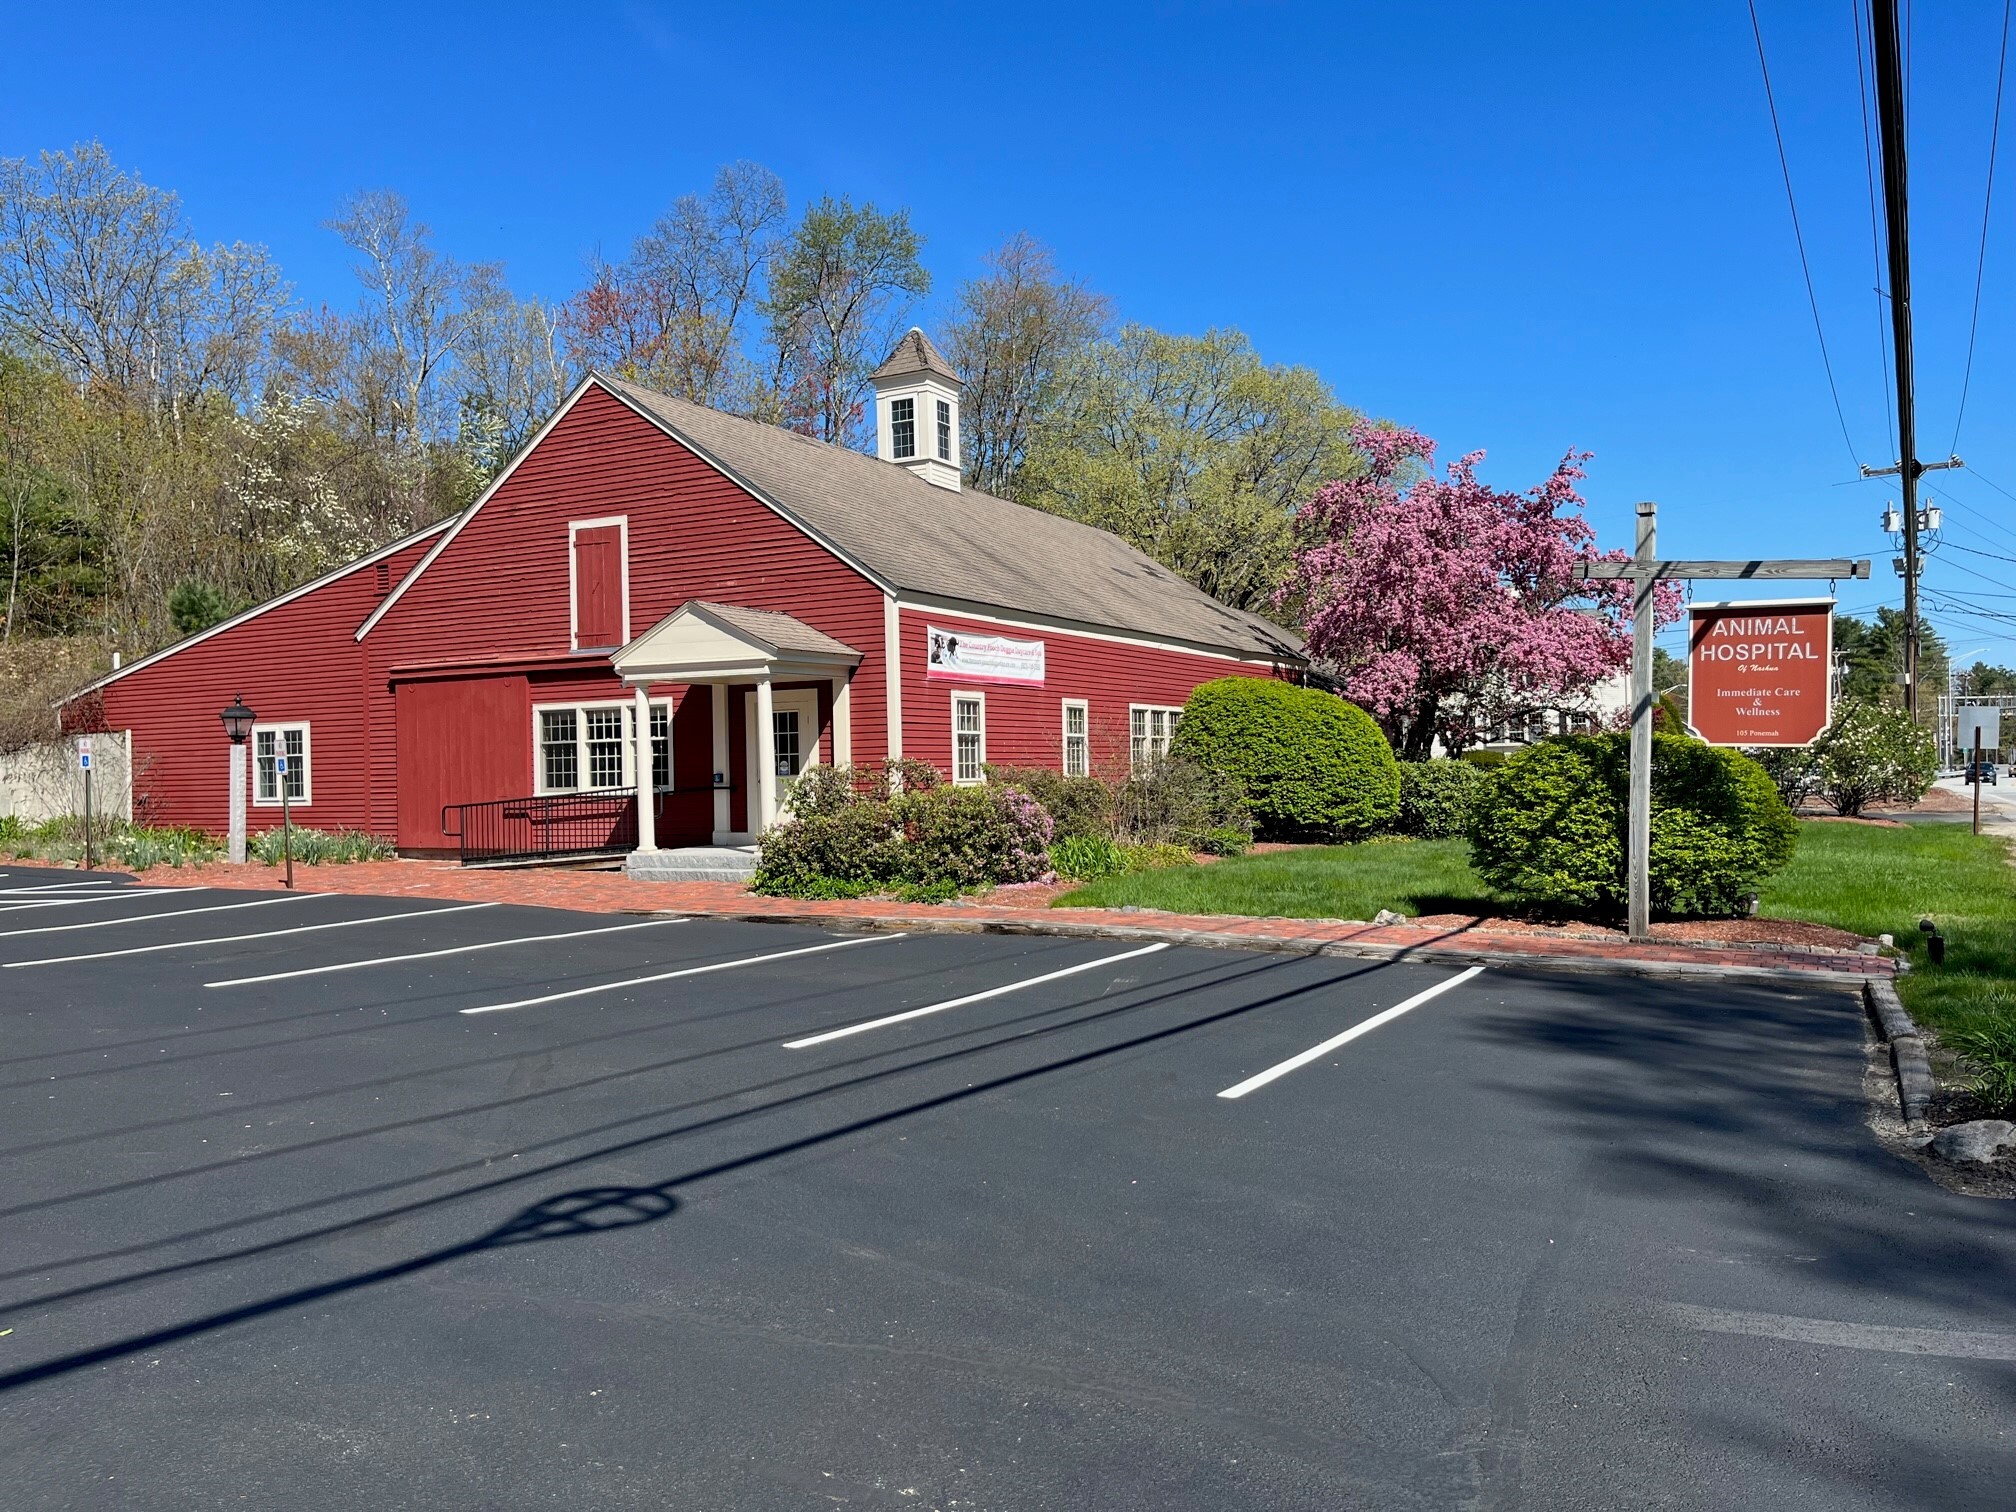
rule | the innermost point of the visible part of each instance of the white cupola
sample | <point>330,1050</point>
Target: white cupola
<point>917,411</point>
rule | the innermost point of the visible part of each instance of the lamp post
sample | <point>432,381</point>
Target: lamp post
<point>238,726</point>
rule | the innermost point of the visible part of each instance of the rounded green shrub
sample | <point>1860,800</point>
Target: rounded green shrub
<point>1549,826</point>
<point>1485,759</point>
<point>1313,766</point>
<point>1435,797</point>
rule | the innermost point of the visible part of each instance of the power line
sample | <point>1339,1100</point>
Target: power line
<point>1987,200</point>
<point>1875,227</point>
<point>1798,236</point>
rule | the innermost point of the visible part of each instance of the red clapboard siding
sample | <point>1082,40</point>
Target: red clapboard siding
<point>297,661</point>
<point>443,765</point>
<point>1025,725</point>
<point>598,586</point>
<point>501,588</point>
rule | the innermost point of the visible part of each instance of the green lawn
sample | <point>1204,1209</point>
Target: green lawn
<point>1868,878</point>
<point>1876,880</point>
<point>1317,882</point>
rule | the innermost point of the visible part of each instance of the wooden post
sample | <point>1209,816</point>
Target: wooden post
<point>1644,584</point>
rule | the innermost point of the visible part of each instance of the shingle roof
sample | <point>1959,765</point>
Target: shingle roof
<point>914,354</point>
<point>920,538</point>
<point>781,632</point>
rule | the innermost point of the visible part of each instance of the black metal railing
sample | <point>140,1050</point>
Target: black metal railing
<point>549,827</point>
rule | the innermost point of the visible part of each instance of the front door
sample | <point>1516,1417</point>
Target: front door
<point>795,719</point>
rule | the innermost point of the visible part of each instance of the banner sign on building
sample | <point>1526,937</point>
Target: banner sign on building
<point>1758,671</point>
<point>983,658</point>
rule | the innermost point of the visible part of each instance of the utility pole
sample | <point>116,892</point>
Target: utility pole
<point>1890,123</point>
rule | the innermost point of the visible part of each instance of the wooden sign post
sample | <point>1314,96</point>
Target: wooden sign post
<point>1645,572</point>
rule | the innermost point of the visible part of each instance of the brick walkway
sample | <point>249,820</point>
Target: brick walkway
<point>611,892</point>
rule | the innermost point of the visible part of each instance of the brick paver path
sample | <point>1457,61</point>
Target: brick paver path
<point>612,892</point>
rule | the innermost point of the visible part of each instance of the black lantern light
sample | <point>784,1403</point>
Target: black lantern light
<point>238,720</point>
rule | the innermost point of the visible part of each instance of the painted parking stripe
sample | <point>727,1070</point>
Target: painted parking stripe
<point>666,976</point>
<point>26,906</point>
<point>1316,1052</point>
<point>428,955</point>
<point>972,997</point>
<point>268,934</point>
<point>173,913</point>
<point>10,892</point>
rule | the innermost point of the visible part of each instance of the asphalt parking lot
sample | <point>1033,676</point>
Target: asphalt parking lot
<point>348,1202</point>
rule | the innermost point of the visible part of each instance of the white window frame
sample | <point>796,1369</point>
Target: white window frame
<point>980,766</point>
<point>574,528</point>
<point>941,428</point>
<point>1084,737</point>
<point>278,729</point>
<point>896,450</point>
<point>1171,714</point>
<point>581,711</point>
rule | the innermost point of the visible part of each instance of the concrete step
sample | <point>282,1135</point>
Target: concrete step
<point>693,863</point>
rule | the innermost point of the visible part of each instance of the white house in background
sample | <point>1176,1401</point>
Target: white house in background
<point>1607,707</point>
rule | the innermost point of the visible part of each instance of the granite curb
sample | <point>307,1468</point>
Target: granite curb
<point>1907,1052</point>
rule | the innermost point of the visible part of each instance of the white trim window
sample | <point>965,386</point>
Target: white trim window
<point>1150,729</point>
<point>583,748</point>
<point>969,739</point>
<point>944,431</point>
<point>268,742</point>
<point>902,428</point>
<point>1077,738</point>
<point>621,627</point>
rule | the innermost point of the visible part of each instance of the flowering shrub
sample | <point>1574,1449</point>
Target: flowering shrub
<point>846,837</point>
<point>1873,752</point>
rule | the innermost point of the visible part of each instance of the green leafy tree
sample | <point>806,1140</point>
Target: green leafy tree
<point>197,606</point>
<point>840,287</point>
<point>1983,681</point>
<point>1871,656</point>
<point>1192,449</point>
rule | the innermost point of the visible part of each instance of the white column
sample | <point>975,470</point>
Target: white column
<point>843,724</point>
<point>892,669</point>
<point>765,796</point>
<point>722,776</point>
<point>647,799</point>
<point>236,843</point>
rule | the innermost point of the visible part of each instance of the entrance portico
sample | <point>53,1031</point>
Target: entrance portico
<point>723,647</point>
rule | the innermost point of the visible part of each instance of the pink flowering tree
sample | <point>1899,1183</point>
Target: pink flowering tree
<point>1448,607</point>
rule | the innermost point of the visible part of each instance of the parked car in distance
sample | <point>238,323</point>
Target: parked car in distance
<point>1982,771</point>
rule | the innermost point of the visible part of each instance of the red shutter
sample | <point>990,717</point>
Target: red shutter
<point>598,586</point>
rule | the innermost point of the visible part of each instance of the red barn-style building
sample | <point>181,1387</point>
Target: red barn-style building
<point>657,598</point>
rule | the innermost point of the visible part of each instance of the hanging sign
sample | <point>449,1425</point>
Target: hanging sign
<point>1758,672</point>
<point>964,657</point>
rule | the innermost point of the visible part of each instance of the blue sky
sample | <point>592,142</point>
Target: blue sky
<point>1523,229</point>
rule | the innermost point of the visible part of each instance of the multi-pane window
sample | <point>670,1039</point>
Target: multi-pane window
<point>1077,740</point>
<point>588,748</point>
<point>269,744</point>
<point>969,738</point>
<point>1149,733</point>
<point>661,747</point>
<point>903,427</point>
<point>605,747</point>
<point>559,750</point>
<point>944,431</point>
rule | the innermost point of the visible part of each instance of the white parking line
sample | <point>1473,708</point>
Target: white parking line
<point>173,913</point>
<point>428,955</point>
<point>971,997</point>
<point>1316,1052</point>
<point>119,897</point>
<point>666,976</point>
<point>103,955</point>
<point>9,892</point>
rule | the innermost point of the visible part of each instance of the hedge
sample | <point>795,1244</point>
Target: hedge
<point>1435,797</point>
<point>1549,825</point>
<point>1313,766</point>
